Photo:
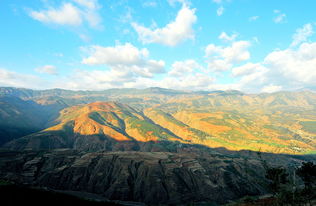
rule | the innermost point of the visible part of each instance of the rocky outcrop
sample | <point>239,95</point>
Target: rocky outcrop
<point>149,177</point>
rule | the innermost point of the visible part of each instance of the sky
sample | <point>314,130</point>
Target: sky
<point>248,45</point>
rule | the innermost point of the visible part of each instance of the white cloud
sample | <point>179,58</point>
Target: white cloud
<point>292,68</point>
<point>245,69</point>
<point>253,18</point>
<point>218,65</point>
<point>70,14</point>
<point>100,79</point>
<point>297,66</point>
<point>224,36</point>
<point>173,33</point>
<point>220,11</point>
<point>47,69</point>
<point>15,79</point>
<point>97,79</point>
<point>271,88</point>
<point>302,34</point>
<point>67,14</point>
<point>120,54</point>
<point>90,4</point>
<point>221,58</point>
<point>187,74</point>
<point>125,58</point>
<point>252,76</point>
<point>280,18</point>
<point>195,81</point>
<point>182,68</point>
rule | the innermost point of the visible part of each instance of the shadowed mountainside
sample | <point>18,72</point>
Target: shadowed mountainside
<point>22,195</point>
<point>191,175</point>
<point>22,117</point>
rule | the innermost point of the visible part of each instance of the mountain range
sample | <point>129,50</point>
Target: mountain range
<point>153,146</point>
<point>123,119</point>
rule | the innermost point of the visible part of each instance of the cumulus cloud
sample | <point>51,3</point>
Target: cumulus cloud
<point>173,33</point>
<point>70,14</point>
<point>302,34</point>
<point>97,79</point>
<point>196,81</point>
<point>125,58</point>
<point>221,58</point>
<point>252,77</point>
<point>90,4</point>
<point>90,12</point>
<point>246,69</point>
<point>120,54</point>
<point>187,74</point>
<point>15,79</point>
<point>220,11</point>
<point>47,69</point>
<point>182,68</point>
<point>67,14</point>
<point>295,65</point>
<point>291,68</point>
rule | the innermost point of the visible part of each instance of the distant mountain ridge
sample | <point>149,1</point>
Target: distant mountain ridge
<point>29,93</point>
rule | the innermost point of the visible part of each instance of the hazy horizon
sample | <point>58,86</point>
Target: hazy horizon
<point>180,90</point>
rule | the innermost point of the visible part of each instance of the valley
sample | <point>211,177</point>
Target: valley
<point>153,146</point>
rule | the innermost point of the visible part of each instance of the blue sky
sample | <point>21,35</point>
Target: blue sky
<point>249,45</point>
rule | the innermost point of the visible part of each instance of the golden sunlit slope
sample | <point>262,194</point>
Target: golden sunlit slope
<point>117,121</point>
<point>253,131</point>
<point>236,131</point>
<point>282,122</point>
<point>92,126</point>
